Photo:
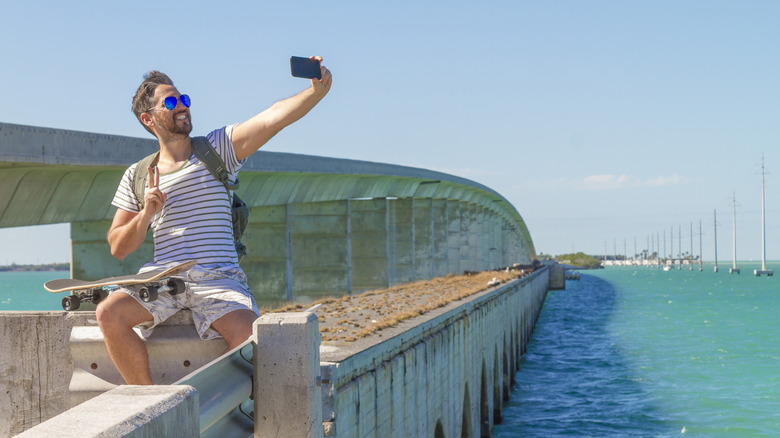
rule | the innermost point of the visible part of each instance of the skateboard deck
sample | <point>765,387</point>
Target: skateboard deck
<point>153,281</point>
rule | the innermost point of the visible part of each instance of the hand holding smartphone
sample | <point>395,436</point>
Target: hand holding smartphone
<point>305,68</point>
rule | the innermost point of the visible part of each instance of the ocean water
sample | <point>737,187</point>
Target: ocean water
<point>647,353</point>
<point>24,291</point>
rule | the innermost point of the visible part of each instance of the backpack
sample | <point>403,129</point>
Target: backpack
<point>211,160</point>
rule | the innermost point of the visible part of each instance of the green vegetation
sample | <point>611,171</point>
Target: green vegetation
<point>46,267</point>
<point>580,259</point>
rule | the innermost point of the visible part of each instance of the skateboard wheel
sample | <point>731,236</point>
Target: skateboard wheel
<point>98,295</point>
<point>71,302</point>
<point>148,293</point>
<point>177,285</point>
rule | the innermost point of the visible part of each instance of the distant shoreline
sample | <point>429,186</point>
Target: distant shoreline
<point>36,268</point>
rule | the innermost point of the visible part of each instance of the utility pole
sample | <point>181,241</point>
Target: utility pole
<point>715,224</point>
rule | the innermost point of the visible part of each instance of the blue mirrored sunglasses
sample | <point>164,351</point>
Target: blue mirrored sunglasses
<point>170,101</point>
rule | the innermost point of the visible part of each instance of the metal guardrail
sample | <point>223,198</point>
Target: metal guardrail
<point>225,390</point>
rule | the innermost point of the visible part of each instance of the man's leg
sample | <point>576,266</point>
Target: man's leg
<point>235,327</point>
<point>116,316</point>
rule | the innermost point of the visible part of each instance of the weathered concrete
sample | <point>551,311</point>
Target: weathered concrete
<point>268,249</point>
<point>557,276</point>
<point>128,411</point>
<point>40,378</point>
<point>446,369</point>
<point>35,367</point>
<point>320,243</point>
<point>447,372</point>
<point>287,390</point>
<point>369,244</point>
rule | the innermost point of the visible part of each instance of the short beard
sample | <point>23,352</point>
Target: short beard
<point>172,128</point>
<point>185,130</point>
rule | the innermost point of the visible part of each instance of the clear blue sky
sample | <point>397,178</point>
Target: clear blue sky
<point>601,121</point>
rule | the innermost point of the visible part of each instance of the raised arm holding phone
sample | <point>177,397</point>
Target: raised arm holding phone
<point>189,213</point>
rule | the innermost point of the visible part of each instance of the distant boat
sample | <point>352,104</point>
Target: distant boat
<point>667,267</point>
<point>764,270</point>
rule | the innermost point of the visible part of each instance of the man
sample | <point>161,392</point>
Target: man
<point>189,213</point>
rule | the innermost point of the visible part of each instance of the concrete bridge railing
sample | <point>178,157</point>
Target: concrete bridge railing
<point>446,373</point>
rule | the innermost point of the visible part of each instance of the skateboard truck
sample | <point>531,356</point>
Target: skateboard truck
<point>72,302</point>
<point>148,292</point>
<point>171,286</point>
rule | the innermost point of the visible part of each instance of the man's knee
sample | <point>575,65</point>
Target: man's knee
<point>236,326</point>
<point>120,310</point>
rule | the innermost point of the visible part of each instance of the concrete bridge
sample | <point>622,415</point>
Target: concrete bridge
<point>319,226</point>
<point>446,373</point>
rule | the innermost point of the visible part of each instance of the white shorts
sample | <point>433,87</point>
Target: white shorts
<point>209,294</point>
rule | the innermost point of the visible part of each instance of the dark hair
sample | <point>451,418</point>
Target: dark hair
<point>144,96</point>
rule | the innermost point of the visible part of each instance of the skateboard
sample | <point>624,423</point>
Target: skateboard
<point>153,282</point>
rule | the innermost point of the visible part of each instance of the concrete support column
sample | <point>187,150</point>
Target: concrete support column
<point>440,219</point>
<point>506,244</point>
<point>454,237</point>
<point>91,257</point>
<point>516,251</point>
<point>266,261</point>
<point>482,242</point>
<point>288,399</point>
<point>493,223</point>
<point>468,236</point>
<point>369,244</point>
<point>557,277</point>
<point>423,238</point>
<point>400,241</point>
<point>320,246</point>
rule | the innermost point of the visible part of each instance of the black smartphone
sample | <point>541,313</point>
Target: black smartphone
<point>305,67</point>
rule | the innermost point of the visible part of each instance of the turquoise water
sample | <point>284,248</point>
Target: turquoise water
<point>643,352</point>
<point>24,291</point>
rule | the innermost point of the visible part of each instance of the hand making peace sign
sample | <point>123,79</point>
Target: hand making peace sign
<point>154,199</point>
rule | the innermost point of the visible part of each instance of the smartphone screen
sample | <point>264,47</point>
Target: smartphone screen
<point>305,67</point>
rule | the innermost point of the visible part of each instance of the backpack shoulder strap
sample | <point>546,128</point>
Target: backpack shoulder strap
<point>209,157</point>
<point>140,175</point>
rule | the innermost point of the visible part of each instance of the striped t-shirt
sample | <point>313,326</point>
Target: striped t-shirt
<point>196,221</point>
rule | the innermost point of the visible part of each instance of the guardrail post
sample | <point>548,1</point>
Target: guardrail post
<point>287,399</point>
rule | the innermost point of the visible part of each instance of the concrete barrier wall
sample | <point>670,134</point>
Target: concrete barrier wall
<point>446,373</point>
<point>128,411</point>
<point>450,373</point>
<point>46,367</point>
<point>35,367</point>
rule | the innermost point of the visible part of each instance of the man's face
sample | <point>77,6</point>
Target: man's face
<point>175,121</point>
